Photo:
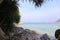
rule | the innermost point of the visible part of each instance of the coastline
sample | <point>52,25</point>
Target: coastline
<point>48,28</point>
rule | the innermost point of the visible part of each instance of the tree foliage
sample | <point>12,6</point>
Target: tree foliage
<point>57,33</point>
<point>9,13</point>
<point>37,3</point>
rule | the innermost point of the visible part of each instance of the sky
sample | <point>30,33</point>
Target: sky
<point>49,12</point>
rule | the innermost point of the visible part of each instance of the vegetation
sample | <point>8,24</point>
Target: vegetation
<point>57,33</point>
<point>9,13</point>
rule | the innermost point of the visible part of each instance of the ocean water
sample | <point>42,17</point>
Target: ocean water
<point>42,28</point>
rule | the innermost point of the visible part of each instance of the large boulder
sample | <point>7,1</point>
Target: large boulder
<point>19,33</point>
<point>2,35</point>
<point>45,37</point>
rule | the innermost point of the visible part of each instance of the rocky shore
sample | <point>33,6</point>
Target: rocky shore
<point>19,33</point>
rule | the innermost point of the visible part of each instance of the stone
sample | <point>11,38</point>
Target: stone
<point>18,33</point>
<point>45,37</point>
<point>2,35</point>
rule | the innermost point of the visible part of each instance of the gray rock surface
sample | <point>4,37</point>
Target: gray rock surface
<point>19,33</point>
<point>45,37</point>
<point>2,35</point>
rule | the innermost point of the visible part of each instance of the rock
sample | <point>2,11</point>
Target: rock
<point>45,37</point>
<point>1,1</point>
<point>18,33</point>
<point>58,20</point>
<point>2,35</point>
<point>18,30</point>
<point>23,34</point>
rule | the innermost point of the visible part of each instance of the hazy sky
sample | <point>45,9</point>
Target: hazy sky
<point>47,13</point>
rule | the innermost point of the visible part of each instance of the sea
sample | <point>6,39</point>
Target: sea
<point>42,28</point>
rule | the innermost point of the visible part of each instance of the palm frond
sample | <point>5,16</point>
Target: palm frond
<point>37,3</point>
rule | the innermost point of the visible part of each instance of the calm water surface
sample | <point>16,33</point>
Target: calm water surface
<point>48,28</point>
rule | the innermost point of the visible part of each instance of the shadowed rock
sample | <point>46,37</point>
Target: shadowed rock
<point>19,33</point>
<point>23,34</point>
<point>3,36</point>
<point>45,37</point>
